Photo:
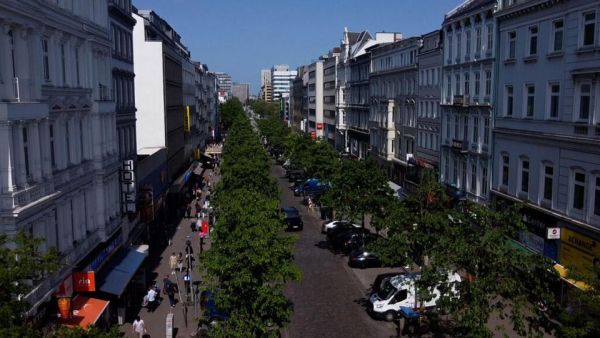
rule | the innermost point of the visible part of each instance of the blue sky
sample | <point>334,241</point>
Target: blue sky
<point>241,37</point>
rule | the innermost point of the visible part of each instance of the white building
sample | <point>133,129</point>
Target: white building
<point>467,97</point>
<point>266,92</point>
<point>315,99</point>
<point>58,168</point>
<point>281,81</point>
<point>546,133</point>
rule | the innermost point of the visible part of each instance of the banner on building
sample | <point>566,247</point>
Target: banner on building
<point>128,198</point>
<point>319,126</point>
<point>578,250</point>
<point>186,119</point>
<point>84,281</point>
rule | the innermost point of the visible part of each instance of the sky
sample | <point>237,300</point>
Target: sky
<point>241,37</point>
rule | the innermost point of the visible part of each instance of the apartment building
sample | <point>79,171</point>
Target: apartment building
<point>314,124</point>
<point>59,177</point>
<point>266,91</point>
<point>546,134</point>
<point>281,81</point>
<point>299,98</point>
<point>331,65</point>
<point>467,97</point>
<point>225,86</point>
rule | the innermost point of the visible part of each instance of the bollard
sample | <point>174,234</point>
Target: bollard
<point>169,325</point>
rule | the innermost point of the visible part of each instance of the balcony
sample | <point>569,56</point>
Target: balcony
<point>29,195</point>
<point>461,146</point>
<point>461,100</point>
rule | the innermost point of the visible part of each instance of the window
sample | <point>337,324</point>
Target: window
<point>475,129</point>
<point>455,171</point>
<point>77,66</point>
<point>11,40</point>
<point>578,190</point>
<point>505,169</point>
<point>63,63</point>
<point>477,83</point>
<point>589,28</point>
<point>557,35</point>
<point>68,142</point>
<point>52,154</point>
<point>457,84</point>
<point>530,100</point>
<point>548,182</point>
<point>26,152</point>
<point>512,45</point>
<point>477,40</point>
<point>468,43</point>
<point>467,80</point>
<point>484,179</point>
<point>466,128</point>
<point>585,101</point>
<point>488,82</point>
<point>449,86</point>
<point>473,179</point>
<point>81,143</point>
<point>456,126</point>
<point>533,40</point>
<point>525,175</point>
<point>597,197</point>
<point>448,128</point>
<point>46,62</point>
<point>490,37</point>
<point>486,131</point>
<point>450,48</point>
<point>554,99</point>
<point>509,100</point>
<point>458,45</point>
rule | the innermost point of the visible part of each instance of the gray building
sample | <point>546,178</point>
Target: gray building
<point>428,101</point>
<point>358,106</point>
<point>225,86</point>
<point>298,98</point>
<point>330,71</point>
<point>467,96</point>
<point>546,135</point>
<point>241,91</point>
<point>314,119</point>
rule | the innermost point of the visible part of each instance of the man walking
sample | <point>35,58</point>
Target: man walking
<point>151,299</point>
<point>173,263</point>
<point>139,327</point>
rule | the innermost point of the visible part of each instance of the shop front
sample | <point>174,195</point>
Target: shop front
<point>579,249</point>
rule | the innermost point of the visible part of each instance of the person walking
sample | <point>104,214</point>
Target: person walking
<point>186,280</point>
<point>180,262</point>
<point>188,211</point>
<point>151,300</point>
<point>173,263</point>
<point>139,327</point>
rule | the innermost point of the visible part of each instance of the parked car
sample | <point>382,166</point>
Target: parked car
<point>295,174</point>
<point>213,314</point>
<point>330,225</point>
<point>362,259</point>
<point>292,219</point>
<point>355,241</point>
<point>297,187</point>
<point>337,242</point>
<point>332,233</point>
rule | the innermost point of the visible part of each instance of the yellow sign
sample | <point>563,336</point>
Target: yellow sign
<point>186,119</point>
<point>578,250</point>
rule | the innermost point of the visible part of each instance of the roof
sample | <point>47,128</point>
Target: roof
<point>353,37</point>
<point>468,6</point>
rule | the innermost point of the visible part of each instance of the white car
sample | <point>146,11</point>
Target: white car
<point>333,224</point>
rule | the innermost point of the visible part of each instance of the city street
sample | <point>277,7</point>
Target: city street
<point>328,300</point>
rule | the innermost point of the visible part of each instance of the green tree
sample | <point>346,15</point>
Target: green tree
<point>473,240</point>
<point>579,317</point>
<point>91,332</point>
<point>358,188</point>
<point>22,265</point>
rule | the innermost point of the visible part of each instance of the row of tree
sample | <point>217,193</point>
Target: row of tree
<point>249,260</point>
<point>436,234</point>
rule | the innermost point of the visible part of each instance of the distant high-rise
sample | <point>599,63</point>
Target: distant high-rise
<point>241,91</point>
<point>265,85</point>
<point>281,81</point>
<point>225,86</point>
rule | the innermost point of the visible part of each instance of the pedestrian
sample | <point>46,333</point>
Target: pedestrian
<point>180,262</point>
<point>188,211</point>
<point>173,263</point>
<point>151,300</point>
<point>171,293</point>
<point>138,326</point>
<point>193,226</point>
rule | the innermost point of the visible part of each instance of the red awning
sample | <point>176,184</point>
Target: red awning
<point>85,311</point>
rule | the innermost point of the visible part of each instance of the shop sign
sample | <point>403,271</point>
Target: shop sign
<point>319,126</point>
<point>186,119</point>
<point>553,233</point>
<point>65,289</point>
<point>313,135</point>
<point>103,255</point>
<point>532,241</point>
<point>127,187</point>
<point>578,250</point>
<point>84,281</point>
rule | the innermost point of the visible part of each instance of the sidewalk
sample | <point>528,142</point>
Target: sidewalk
<point>156,321</point>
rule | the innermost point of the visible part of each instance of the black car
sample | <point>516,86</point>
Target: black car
<point>332,233</point>
<point>356,241</point>
<point>337,241</point>
<point>292,219</point>
<point>361,258</point>
<point>295,174</point>
<point>298,187</point>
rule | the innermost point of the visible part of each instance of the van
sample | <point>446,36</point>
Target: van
<point>399,292</point>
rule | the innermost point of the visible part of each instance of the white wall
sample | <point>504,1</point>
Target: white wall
<point>149,88</point>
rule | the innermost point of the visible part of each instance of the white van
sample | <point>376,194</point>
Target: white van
<point>400,291</point>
